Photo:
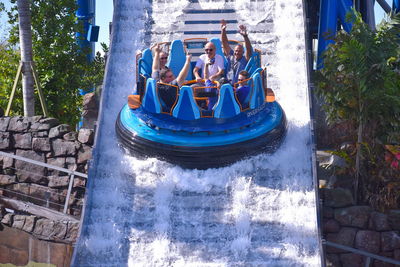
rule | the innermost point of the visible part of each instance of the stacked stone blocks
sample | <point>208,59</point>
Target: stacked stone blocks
<point>358,227</point>
<point>45,140</point>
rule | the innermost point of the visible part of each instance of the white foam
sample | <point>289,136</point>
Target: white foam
<point>142,210</point>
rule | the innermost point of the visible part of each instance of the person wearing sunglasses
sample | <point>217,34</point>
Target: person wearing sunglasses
<point>167,84</point>
<point>159,61</point>
<point>237,59</point>
<point>216,67</point>
<point>212,100</point>
<point>168,77</point>
<point>243,89</point>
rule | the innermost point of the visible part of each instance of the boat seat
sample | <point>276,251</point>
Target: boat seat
<point>141,85</point>
<point>257,97</point>
<point>177,59</point>
<point>167,94</point>
<point>227,105</point>
<point>253,63</point>
<point>186,107</point>
<point>145,63</point>
<point>150,101</point>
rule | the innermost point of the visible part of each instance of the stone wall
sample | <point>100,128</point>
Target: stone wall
<point>61,231</point>
<point>25,236</point>
<point>359,227</point>
<point>90,110</point>
<point>48,141</point>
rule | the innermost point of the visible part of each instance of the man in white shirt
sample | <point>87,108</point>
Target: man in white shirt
<point>216,64</point>
<point>213,65</point>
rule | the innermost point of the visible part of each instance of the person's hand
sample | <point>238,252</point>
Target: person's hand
<point>188,57</point>
<point>242,30</point>
<point>223,25</point>
<point>199,80</point>
<point>158,48</point>
<point>138,54</point>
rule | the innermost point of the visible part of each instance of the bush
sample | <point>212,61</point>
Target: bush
<point>360,86</point>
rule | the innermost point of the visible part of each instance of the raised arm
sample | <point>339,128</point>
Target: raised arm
<point>185,70</point>
<point>224,39</point>
<point>156,59</point>
<point>249,49</point>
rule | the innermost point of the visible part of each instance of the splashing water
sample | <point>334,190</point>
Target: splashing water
<point>168,22</point>
<point>253,12</point>
<point>258,212</point>
<point>212,4</point>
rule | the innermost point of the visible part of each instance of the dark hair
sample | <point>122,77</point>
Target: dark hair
<point>244,73</point>
<point>163,73</point>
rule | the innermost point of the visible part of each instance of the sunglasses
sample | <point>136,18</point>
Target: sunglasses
<point>208,50</point>
<point>164,58</point>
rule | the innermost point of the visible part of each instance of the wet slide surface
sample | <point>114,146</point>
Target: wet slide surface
<point>258,212</point>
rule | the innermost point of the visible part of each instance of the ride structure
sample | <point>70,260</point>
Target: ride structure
<point>86,13</point>
<point>185,130</point>
<point>326,17</point>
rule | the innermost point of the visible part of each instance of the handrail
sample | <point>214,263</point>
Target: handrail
<point>192,81</point>
<point>71,174</point>
<point>361,252</point>
<point>42,164</point>
<point>236,85</point>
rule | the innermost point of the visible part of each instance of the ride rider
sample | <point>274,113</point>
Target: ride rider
<point>216,70</point>
<point>167,83</point>
<point>159,61</point>
<point>208,83</point>
<point>236,61</point>
<point>243,89</point>
<point>164,74</point>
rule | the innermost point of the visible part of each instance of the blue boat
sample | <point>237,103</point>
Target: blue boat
<point>182,131</point>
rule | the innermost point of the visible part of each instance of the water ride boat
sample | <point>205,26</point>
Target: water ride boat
<point>181,131</point>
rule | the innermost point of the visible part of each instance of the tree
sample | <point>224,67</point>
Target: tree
<point>360,85</point>
<point>61,64</point>
<point>25,41</point>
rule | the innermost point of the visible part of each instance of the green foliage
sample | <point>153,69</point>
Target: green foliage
<point>360,86</point>
<point>360,81</point>
<point>9,60</point>
<point>62,66</point>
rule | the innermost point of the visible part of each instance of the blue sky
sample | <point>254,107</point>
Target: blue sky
<point>379,13</point>
<point>104,9</point>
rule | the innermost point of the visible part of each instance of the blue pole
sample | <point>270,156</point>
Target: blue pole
<point>86,14</point>
<point>344,9</point>
<point>327,27</point>
<point>396,6</point>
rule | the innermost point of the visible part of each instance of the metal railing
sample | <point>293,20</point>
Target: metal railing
<point>368,255</point>
<point>71,175</point>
